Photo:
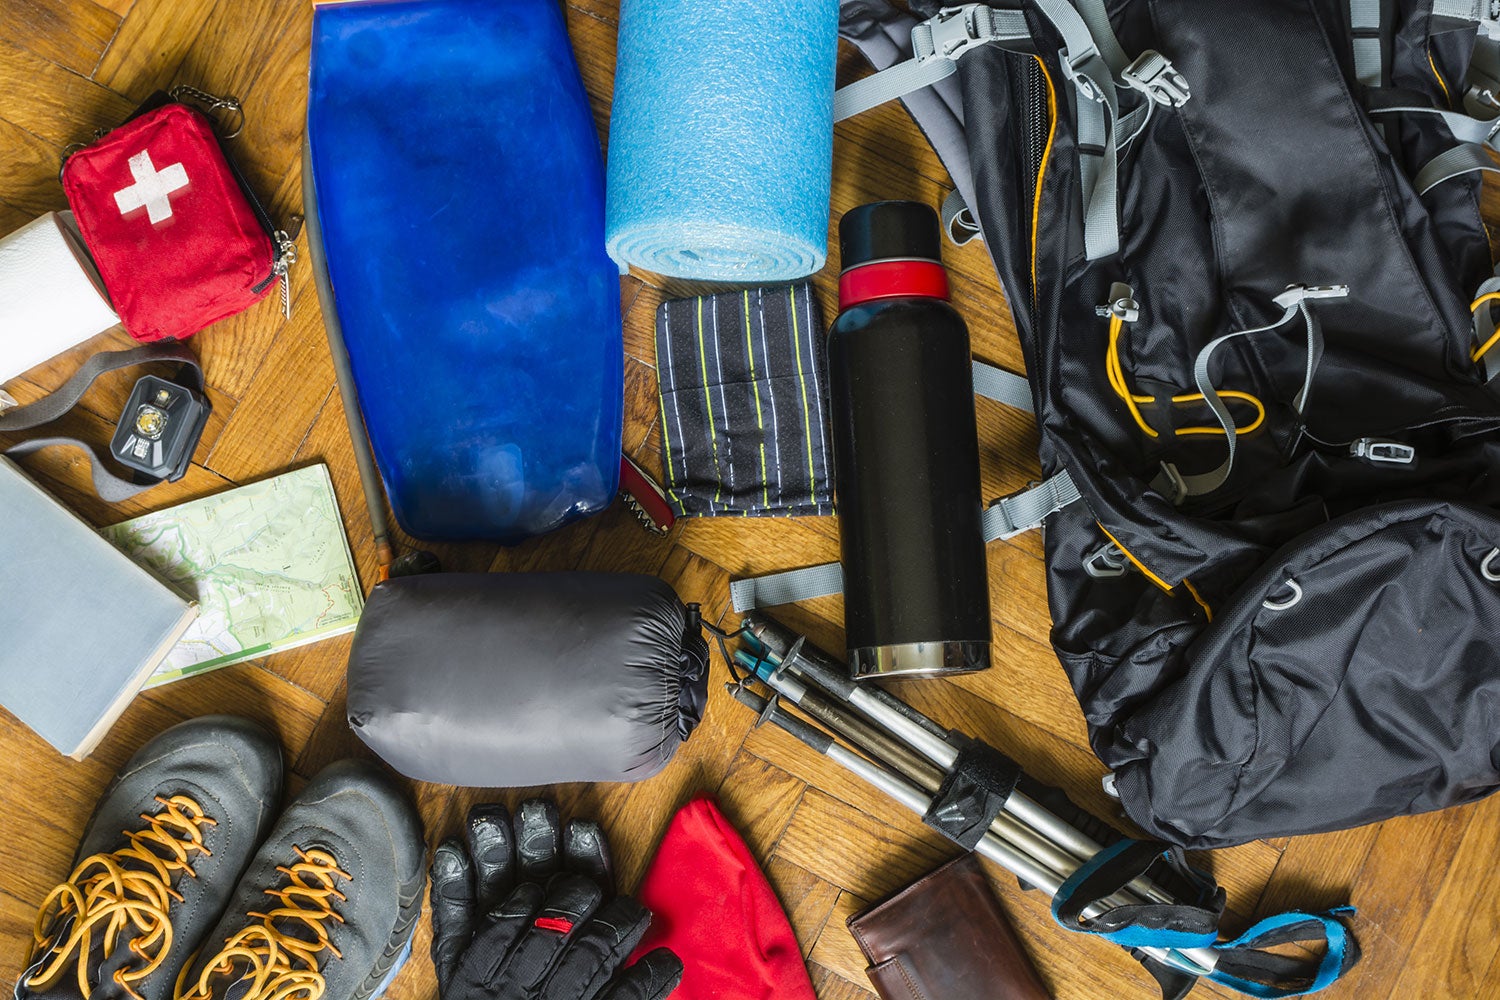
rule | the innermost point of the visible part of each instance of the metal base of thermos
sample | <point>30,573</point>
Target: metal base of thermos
<point>919,659</point>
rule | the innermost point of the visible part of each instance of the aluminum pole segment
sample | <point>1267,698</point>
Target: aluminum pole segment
<point>1196,961</point>
<point>829,711</point>
<point>920,737</point>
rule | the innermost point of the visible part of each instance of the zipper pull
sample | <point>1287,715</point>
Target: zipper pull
<point>286,256</point>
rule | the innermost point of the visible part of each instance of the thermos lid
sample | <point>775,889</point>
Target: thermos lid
<point>889,230</point>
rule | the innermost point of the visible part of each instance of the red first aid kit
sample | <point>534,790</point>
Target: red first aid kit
<point>176,235</point>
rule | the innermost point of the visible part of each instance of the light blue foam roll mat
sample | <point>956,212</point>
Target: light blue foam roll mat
<point>721,138</point>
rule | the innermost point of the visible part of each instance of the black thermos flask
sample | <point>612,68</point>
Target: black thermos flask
<point>906,453</point>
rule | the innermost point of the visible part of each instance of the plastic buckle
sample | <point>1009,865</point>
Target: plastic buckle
<point>1082,82</point>
<point>1121,303</point>
<point>1171,479</point>
<point>952,32</point>
<point>1106,562</point>
<point>1154,75</point>
<point>1296,294</point>
<point>1379,451</point>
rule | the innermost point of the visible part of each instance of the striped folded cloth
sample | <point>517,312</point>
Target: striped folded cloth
<point>744,404</point>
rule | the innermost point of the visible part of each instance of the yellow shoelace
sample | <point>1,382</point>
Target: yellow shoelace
<point>127,890</point>
<point>278,964</point>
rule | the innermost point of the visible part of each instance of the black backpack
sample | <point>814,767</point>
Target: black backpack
<point>1242,244</point>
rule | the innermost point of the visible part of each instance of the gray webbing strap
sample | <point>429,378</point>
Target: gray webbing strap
<point>1364,25</point>
<point>1294,301</point>
<point>958,220</point>
<point>1096,107</point>
<point>1465,159</point>
<point>787,587</point>
<point>1464,127</point>
<point>111,488</point>
<point>1092,60</point>
<point>1481,12</point>
<point>1021,512</point>
<point>55,404</point>
<point>937,45</point>
<point>1002,386</point>
<point>882,34</point>
<point>1003,519</point>
<point>1096,16</point>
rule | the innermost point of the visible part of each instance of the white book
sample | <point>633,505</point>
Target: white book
<point>81,626</point>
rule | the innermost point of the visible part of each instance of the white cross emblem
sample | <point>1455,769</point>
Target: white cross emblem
<point>152,190</point>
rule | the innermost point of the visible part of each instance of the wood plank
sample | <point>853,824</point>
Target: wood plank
<point>71,33</point>
<point>1460,939</point>
<point>51,102</point>
<point>28,173</point>
<point>154,39</point>
<point>830,986</point>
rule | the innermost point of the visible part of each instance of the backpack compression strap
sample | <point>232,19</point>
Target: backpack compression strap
<point>883,35</point>
<point>1093,62</point>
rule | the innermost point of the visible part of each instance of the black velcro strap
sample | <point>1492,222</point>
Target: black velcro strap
<point>1142,923</point>
<point>972,794</point>
<point>1173,982</point>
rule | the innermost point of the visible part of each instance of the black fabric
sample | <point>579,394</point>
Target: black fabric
<point>1174,983</point>
<point>519,679</point>
<point>972,793</point>
<point>744,404</point>
<point>1272,174</point>
<point>1201,916</point>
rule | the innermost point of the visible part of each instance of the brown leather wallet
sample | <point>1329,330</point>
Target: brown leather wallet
<point>944,937</point>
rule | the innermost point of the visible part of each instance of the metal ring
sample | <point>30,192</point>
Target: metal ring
<point>1291,584</point>
<point>1486,568</point>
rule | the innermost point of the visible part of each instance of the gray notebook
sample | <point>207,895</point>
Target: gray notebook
<point>81,626</point>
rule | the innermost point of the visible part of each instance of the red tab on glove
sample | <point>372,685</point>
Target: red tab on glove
<point>174,237</point>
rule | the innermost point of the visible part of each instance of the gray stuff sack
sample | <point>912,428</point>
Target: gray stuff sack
<point>507,680</point>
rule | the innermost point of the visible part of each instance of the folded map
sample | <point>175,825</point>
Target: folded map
<point>268,564</point>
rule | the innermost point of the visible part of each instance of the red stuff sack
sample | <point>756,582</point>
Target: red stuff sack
<point>174,233</point>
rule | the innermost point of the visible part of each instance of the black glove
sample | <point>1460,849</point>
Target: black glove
<point>527,911</point>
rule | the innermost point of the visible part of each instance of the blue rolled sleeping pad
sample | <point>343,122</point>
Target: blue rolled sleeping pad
<point>459,191</point>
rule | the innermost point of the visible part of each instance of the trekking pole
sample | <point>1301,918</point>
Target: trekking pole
<point>935,748</point>
<point>897,757</point>
<point>1195,961</point>
<point>919,732</point>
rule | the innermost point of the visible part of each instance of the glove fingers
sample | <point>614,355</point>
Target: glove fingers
<point>586,852</point>
<point>492,845</point>
<point>598,949</point>
<point>571,901</point>
<point>453,908</point>
<point>538,836</point>
<point>654,977</point>
<point>481,968</point>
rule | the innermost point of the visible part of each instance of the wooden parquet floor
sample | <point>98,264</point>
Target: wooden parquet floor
<point>1429,905</point>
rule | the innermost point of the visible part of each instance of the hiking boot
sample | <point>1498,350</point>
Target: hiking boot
<point>157,864</point>
<point>328,906</point>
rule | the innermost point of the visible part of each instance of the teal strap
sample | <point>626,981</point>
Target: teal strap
<point>1284,928</point>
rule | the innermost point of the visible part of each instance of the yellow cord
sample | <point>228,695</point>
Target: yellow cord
<point>1447,97</point>
<point>1116,373</point>
<point>1481,351</point>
